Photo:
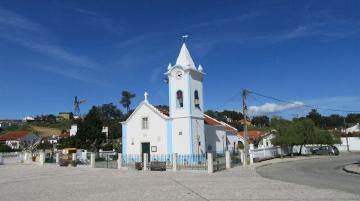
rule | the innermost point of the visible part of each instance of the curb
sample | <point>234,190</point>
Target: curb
<point>288,161</point>
<point>350,171</point>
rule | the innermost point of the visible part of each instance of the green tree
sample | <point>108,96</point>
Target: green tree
<point>334,121</point>
<point>285,135</point>
<point>126,99</point>
<point>5,148</point>
<point>305,131</point>
<point>111,117</point>
<point>326,137</point>
<point>260,121</point>
<point>89,132</point>
<point>315,116</point>
<point>353,118</point>
<point>71,142</point>
<point>44,145</point>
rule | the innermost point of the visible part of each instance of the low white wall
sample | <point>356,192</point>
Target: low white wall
<point>354,144</point>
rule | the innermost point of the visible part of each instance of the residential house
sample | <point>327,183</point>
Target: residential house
<point>15,138</point>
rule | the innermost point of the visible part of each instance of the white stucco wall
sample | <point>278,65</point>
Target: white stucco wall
<point>73,130</point>
<point>198,135</point>
<point>196,84</point>
<point>181,143</point>
<point>265,142</point>
<point>217,137</point>
<point>214,138</point>
<point>155,134</point>
<point>176,84</point>
<point>354,144</point>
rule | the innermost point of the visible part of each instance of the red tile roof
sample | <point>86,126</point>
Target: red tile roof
<point>214,122</point>
<point>163,110</point>
<point>254,135</point>
<point>14,135</point>
<point>211,121</point>
<point>207,120</point>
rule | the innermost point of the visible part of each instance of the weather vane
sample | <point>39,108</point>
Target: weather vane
<point>184,37</point>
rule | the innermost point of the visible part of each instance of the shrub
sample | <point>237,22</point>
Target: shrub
<point>5,148</point>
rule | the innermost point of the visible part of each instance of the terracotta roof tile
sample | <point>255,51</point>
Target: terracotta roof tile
<point>14,135</point>
<point>207,120</point>
<point>252,134</point>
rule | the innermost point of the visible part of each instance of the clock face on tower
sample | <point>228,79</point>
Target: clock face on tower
<point>178,74</point>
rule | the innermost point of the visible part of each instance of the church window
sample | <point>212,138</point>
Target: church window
<point>179,99</point>
<point>196,99</point>
<point>145,123</point>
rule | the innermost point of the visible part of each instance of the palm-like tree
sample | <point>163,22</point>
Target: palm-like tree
<point>126,99</point>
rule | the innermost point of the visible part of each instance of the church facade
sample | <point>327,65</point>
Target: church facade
<point>184,128</point>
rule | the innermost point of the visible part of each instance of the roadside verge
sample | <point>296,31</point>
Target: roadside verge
<point>352,168</point>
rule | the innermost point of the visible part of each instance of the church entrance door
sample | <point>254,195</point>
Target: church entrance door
<point>145,148</point>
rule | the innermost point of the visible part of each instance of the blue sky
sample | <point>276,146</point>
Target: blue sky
<point>50,51</point>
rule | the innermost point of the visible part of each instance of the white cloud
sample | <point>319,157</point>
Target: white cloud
<point>273,108</point>
<point>31,35</point>
<point>11,19</point>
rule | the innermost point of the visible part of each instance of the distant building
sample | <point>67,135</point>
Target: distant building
<point>9,122</point>
<point>265,141</point>
<point>65,115</point>
<point>53,139</point>
<point>64,134</point>
<point>254,136</point>
<point>220,136</point>
<point>105,130</point>
<point>28,118</point>
<point>15,138</point>
<point>73,130</point>
<point>353,129</point>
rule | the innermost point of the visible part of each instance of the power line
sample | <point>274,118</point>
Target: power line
<point>304,105</point>
<point>227,101</point>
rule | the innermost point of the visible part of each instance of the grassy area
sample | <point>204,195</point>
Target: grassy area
<point>44,129</point>
<point>61,125</point>
<point>21,127</point>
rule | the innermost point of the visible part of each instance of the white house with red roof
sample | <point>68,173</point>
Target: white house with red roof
<point>15,138</point>
<point>184,129</point>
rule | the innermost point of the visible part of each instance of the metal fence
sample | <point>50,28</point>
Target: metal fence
<point>129,160</point>
<point>183,161</point>
<point>50,157</point>
<point>167,158</point>
<point>106,160</point>
<point>219,161</point>
<point>83,158</point>
<point>235,159</point>
<point>191,162</point>
<point>10,157</point>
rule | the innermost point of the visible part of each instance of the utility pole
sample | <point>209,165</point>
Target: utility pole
<point>346,135</point>
<point>244,93</point>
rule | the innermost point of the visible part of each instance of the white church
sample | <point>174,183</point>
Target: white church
<point>184,129</point>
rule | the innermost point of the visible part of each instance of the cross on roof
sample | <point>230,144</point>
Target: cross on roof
<point>146,96</point>
<point>184,37</point>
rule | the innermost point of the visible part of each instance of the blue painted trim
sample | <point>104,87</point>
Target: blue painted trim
<point>170,97</point>
<point>191,140</point>
<point>169,137</point>
<point>124,136</point>
<point>189,89</point>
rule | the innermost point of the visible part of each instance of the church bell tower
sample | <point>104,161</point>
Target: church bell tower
<point>186,104</point>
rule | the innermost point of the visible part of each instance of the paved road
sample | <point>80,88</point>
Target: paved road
<point>323,173</point>
<point>33,182</point>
